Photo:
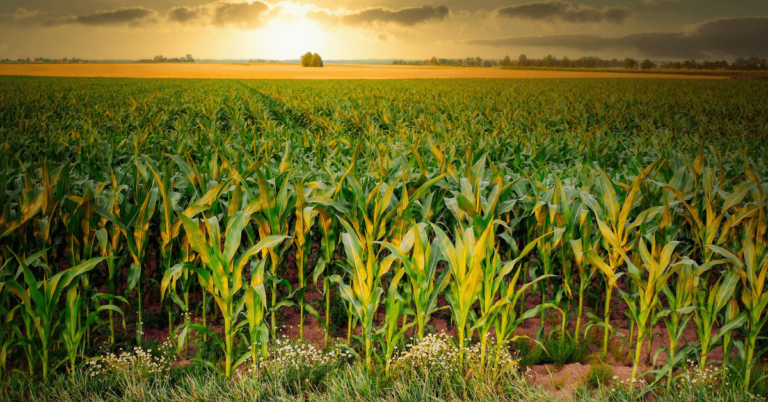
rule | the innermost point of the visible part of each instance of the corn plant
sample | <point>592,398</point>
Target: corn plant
<point>659,270</point>
<point>305,218</point>
<point>421,268</point>
<point>365,273</point>
<point>752,267</point>
<point>40,302</point>
<point>136,221</point>
<point>465,262</point>
<point>615,237</point>
<point>223,273</point>
<point>395,307</point>
<point>681,295</point>
<point>76,323</point>
<point>494,274</point>
<point>256,303</point>
<point>709,304</point>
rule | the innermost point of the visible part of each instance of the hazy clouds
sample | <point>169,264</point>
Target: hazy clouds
<point>669,29</point>
<point>126,15</point>
<point>553,11</point>
<point>221,14</point>
<point>408,16</point>
<point>735,37</point>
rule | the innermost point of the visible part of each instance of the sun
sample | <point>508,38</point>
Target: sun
<point>291,39</point>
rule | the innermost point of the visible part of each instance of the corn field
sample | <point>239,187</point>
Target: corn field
<point>500,204</point>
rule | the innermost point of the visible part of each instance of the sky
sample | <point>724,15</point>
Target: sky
<point>662,30</point>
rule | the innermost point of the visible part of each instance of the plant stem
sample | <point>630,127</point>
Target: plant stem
<point>327,288</point>
<point>607,315</point>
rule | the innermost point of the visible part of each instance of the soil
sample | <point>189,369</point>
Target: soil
<point>558,381</point>
<point>295,71</point>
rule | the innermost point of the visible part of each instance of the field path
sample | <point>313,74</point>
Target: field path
<point>293,71</point>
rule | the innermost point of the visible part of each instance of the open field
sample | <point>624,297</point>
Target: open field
<point>478,239</point>
<point>290,71</point>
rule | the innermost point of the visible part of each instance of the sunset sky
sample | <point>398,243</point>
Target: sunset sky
<point>383,29</point>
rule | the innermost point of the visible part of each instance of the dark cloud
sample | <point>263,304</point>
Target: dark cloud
<point>564,11</point>
<point>221,14</point>
<point>245,15</point>
<point>732,37</point>
<point>126,15</point>
<point>184,14</point>
<point>409,16</point>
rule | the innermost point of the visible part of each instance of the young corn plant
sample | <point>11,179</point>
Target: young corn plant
<point>40,301</point>
<point>76,323</point>
<point>256,303</point>
<point>365,292</point>
<point>136,242</point>
<point>305,218</point>
<point>709,303</point>
<point>585,276</point>
<point>395,307</point>
<point>752,267</point>
<point>615,237</point>
<point>223,274</point>
<point>681,294</point>
<point>465,262</point>
<point>494,274</point>
<point>649,286</point>
<point>272,219</point>
<point>421,269</point>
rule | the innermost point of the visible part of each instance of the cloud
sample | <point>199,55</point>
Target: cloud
<point>408,16</point>
<point>244,15</point>
<point>184,14</point>
<point>24,14</point>
<point>733,37</point>
<point>657,3</point>
<point>21,16</point>
<point>221,14</point>
<point>125,15</point>
<point>564,11</point>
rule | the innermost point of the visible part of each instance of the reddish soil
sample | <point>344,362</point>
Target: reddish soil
<point>560,382</point>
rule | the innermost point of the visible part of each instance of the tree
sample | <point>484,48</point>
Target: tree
<point>647,65</point>
<point>306,59</point>
<point>433,61</point>
<point>487,63</point>
<point>190,59</point>
<point>317,61</point>
<point>522,60</point>
<point>506,62</point>
<point>629,63</point>
<point>478,61</point>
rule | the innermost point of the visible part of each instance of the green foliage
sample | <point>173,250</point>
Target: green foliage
<point>410,200</point>
<point>598,375</point>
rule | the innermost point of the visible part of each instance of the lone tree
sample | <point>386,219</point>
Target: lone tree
<point>630,63</point>
<point>647,65</point>
<point>311,60</point>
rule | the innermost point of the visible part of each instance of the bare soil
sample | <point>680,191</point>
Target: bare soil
<point>295,71</point>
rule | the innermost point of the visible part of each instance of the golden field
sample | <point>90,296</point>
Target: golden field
<point>294,71</point>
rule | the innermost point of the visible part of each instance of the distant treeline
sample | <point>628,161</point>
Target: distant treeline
<point>751,64</point>
<point>43,60</point>
<point>161,59</point>
<point>469,62</point>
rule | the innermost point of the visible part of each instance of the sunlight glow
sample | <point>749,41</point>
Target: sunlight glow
<point>290,39</point>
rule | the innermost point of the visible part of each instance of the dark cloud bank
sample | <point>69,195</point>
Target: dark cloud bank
<point>126,15</point>
<point>564,11</point>
<point>735,37</point>
<point>221,14</point>
<point>409,16</point>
